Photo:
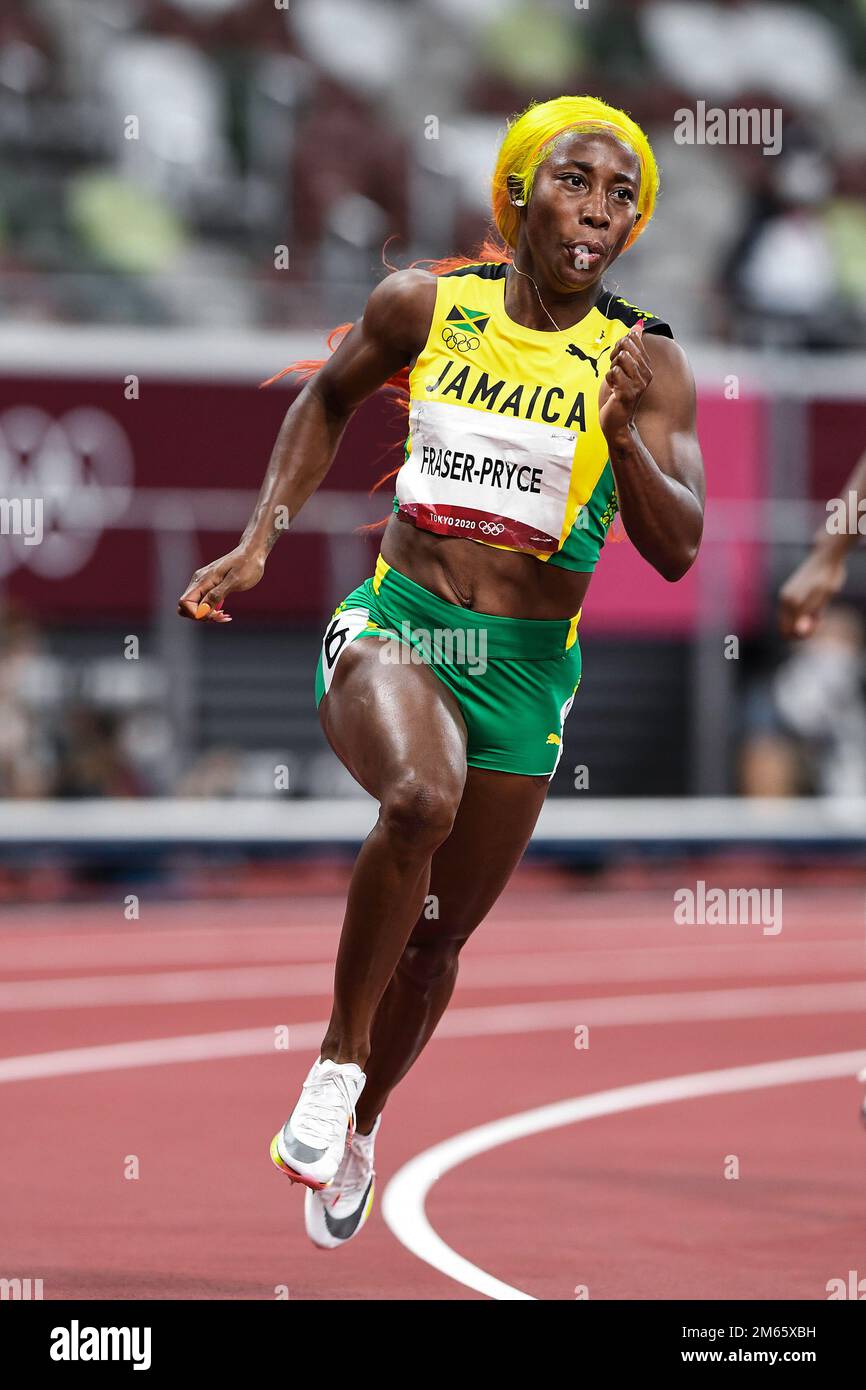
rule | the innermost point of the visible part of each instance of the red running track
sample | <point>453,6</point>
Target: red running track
<point>628,1205</point>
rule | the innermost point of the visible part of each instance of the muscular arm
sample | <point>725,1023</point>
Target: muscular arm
<point>648,418</point>
<point>388,337</point>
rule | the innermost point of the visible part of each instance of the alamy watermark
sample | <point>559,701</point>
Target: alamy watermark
<point>846,516</point>
<point>22,516</point>
<point>739,125</point>
<point>853,1287</point>
<point>77,1343</point>
<point>703,906</point>
<point>453,646</point>
<point>24,1289</point>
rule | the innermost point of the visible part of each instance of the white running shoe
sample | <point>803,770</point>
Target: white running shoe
<point>309,1147</point>
<point>334,1216</point>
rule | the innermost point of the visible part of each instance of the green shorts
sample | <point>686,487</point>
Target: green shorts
<point>513,678</point>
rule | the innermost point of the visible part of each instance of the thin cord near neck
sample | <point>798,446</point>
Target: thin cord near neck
<point>540,300</point>
<point>556,326</point>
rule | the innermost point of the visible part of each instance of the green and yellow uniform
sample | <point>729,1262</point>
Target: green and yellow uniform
<point>505,449</point>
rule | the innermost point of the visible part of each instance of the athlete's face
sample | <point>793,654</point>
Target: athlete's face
<point>582,208</point>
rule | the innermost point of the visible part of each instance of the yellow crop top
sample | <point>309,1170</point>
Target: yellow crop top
<point>504,443</point>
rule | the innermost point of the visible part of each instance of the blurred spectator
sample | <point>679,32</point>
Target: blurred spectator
<point>794,275</point>
<point>228,772</point>
<point>26,50</point>
<point>537,48</point>
<point>30,686</point>
<point>349,180</point>
<point>721,50</point>
<point>306,126</point>
<point>91,761</point>
<point>215,773</point>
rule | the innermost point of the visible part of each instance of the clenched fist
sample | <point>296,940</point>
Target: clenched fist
<point>626,380</point>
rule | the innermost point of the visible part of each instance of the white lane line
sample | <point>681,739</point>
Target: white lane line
<point>685,1006</point>
<point>46,949</point>
<point>163,946</point>
<point>154,1052</point>
<point>403,1202</point>
<point>167,987</point>
<point>470,1022</point>
<point>281,980</point>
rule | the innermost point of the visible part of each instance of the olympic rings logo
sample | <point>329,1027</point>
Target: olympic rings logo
<point>77,470</point>
<point>491,528</point>
<point>463,342</point>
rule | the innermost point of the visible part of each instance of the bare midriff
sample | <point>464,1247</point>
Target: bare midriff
<point>504,583</point>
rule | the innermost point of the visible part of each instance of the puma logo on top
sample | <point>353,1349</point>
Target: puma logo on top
<point>575,351</point>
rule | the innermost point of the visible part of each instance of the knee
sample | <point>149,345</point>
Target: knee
<point>428,962</point>
<point>418,811</point>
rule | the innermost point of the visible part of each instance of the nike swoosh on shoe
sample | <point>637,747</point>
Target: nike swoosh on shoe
<point>293,1148</point>
<point>341,1227</point>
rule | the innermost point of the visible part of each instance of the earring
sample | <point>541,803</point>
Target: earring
<point>519,202</point>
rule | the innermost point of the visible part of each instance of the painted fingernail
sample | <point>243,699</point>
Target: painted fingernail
<point>639,324</point>
<point>202,610</point>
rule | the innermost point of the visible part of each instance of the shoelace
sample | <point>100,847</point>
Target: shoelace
<point>353,1176</point>
<point>322,1116</point>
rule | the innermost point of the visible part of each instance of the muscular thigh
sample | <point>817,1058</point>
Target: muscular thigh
<point>386,721</point>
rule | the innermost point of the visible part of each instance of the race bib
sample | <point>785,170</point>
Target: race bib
<point>489,477</point>
<point>338,634</point>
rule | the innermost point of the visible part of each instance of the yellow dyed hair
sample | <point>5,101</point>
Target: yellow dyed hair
<point>529,141</point>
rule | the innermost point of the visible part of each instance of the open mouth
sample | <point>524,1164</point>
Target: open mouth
<point>585,255</point>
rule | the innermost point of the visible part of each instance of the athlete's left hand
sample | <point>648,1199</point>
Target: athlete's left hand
<point>629,375</point>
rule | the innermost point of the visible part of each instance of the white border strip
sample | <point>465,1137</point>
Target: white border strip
<point>243,820</point>
<point>181,354</point>
<point>403,1203</point>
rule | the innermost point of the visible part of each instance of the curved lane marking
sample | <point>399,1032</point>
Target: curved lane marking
<point>404,1199</point>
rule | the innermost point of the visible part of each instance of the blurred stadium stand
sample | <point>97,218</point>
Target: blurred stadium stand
<point>157,151</point>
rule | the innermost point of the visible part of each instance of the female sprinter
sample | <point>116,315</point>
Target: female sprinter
<point>539,405</point>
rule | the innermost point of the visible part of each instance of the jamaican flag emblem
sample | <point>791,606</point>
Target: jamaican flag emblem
<point>463,327</point>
